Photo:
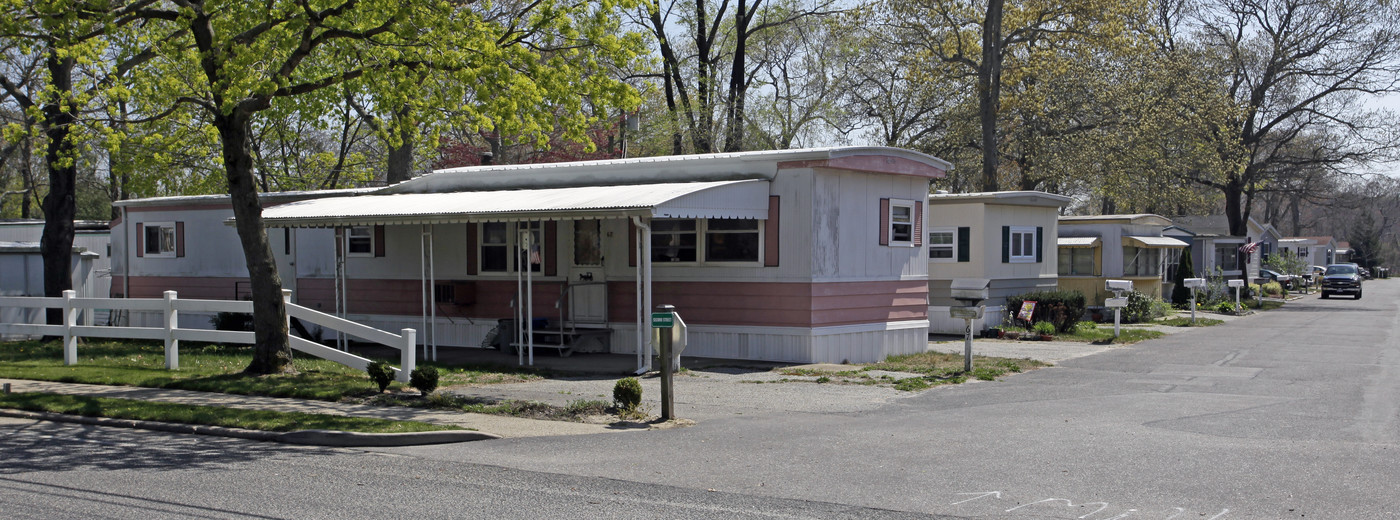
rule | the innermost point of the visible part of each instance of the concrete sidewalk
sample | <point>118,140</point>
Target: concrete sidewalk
<point>502,426</point>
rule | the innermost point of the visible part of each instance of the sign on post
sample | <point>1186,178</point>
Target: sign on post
<point>662,320</point>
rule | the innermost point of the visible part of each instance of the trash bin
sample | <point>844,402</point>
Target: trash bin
<point>505,334</point>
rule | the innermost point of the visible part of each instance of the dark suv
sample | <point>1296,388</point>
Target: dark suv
<point>1341,279</point>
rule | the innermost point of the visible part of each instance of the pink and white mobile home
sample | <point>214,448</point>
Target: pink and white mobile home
<point>812,255</point>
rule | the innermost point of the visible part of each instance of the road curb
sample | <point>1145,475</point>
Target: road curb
<point>306,437</point>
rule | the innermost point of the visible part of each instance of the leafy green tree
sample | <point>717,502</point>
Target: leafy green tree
<point>522,71</point>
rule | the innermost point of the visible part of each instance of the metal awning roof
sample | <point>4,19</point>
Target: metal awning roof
<point>746,199</point>
<point>1156,242</point>
<point>1077,242</point>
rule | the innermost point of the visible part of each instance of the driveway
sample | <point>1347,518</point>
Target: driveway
<point>1293,413</point>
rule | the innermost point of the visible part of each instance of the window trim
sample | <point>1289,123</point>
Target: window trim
<point>702,231</point>
<point>952,246</point>
<point>511,244</point>
<point>174,242</point>
<point>891,223</point>
<point>350,234</point>
<point>1093,253</point>
<point>1026,256</point>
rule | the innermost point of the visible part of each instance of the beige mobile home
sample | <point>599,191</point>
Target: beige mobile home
<point>1006,237</point>
<point>1119,247</point>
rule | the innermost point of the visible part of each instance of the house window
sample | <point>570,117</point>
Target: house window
<point>500,239</point>
<point>536,253</point>
<point>901,222</point>
<point>942,245</point>
<point>725,240</point>
<point>1142,261</point>
<point>674,240</point>
<point>160,239</point>
<point>588,249</point>
<point>1227,257</point>
<point>1076,261</point>
<point>495,246</point>
<point>731,240</point>
<point>360,241</point>
<point>1022,244</point>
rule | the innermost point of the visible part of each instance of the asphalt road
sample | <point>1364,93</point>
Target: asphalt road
<point>1291,414</point>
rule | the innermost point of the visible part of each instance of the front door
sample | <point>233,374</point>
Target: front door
<point>588,290</point>
<point>284,252</point>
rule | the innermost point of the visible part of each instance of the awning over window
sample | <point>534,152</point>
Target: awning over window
<point>1077,242</point>
<point>746,199</point>
<point>1154,242</point>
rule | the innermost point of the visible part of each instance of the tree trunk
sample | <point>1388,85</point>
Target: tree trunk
<point>272,351</point>
<point>27,176</point>
<point>1234,196</point>
<point>400,160</point>
<point>60,206</point>
<point>734,109</point>
<point>989,92</point>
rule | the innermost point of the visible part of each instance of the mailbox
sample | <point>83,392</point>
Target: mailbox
<point>1118,285</point>
<point>966,313</point>
<point>1236,283</point>
<point>970,291</point>
<point>1194,283</point>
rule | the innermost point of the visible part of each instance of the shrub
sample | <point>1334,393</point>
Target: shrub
<point>1143,307</point>
<point>627,394</point>
<point>381,373</point>
<point>1226,307</point>
<point>1061,308</point>
<point>1045,327</point>
<point>1272,289</point>
<point>424,378</point>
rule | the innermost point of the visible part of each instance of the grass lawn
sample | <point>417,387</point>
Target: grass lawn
<point>207,415</point>
<point>1186,322</point>
<point>936,368</point>
<point>210,368</point>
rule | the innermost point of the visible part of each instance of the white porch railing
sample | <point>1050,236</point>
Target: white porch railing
<point>169,331</point>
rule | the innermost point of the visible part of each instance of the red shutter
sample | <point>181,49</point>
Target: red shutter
<point>770,233</point>
<point>473,249</point>
<point>551,241</point>
<point>631,244</point>
<point>884,222</point>
<point>140,239</point>
<point>378,240</point>
<point>180,239</point>
<point>918,223</point>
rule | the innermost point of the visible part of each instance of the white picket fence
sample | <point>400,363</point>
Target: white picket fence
<point>170,307</point>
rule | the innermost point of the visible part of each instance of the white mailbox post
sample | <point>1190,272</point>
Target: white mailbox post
<point>1193,284</point>
<point>1236,284</point>
<point>1118,301</point>
<point>971,292</point>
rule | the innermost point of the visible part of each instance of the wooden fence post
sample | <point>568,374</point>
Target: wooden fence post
<point>407,353</point>
<point>172,322</point>
<point>70,342</point>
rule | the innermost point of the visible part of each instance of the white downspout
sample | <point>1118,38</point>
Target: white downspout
<point>432,291</point>
<point>644,346</point>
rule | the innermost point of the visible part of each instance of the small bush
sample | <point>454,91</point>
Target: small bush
<point>627,394</point>
<point>1143,307</point>
<point>381,373</point>
<point>1226,307</point>
<point>1061,308</point>
<point>1272,289</point>
<point>424,378</point>
<point>1045,327</point>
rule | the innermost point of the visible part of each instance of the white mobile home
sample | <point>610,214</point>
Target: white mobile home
<point>811,255</point>
<point>1006,237</point>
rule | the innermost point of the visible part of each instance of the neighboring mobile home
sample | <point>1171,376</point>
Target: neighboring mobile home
<point>813,255</point>
<point>1093,249</point>
<point>1212,245</point>
<point>1006,237</point>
